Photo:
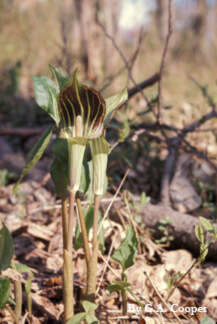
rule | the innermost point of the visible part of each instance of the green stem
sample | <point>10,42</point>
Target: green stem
<point>124,299</point>
<point>71,222</point>
<point>83,231</point>
<point>92,266</point>
<point>29,305</point>
<point>65,220</point>
<point>68,266</point>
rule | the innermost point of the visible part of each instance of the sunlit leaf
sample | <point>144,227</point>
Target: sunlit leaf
<point>88,306</point>
<point>114,102</point>
<point>35,154</point>
<point>24,268</point>
<point>207,225</point>
<point>76,319</point>
<point>46,94</point>
<point>60,77</point>
<point>199,233</point>
<point>6,248</point>
<point>91,319</point>
<point>118,286</point>
<point>127,250</point>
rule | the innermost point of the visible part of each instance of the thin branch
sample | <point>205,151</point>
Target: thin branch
<point>114,197</point>
<point>131,62</point>
<point>126,62</point>
<point>142,85</point>
<point>163,60</point>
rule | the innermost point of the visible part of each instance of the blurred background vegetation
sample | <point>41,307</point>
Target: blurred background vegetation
<point>66,33</point>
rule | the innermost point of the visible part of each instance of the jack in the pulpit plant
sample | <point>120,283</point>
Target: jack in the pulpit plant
<point>81,115</point>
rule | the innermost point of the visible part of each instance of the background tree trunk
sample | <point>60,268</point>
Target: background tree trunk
<point>199,27</point>
<point>89,37</point>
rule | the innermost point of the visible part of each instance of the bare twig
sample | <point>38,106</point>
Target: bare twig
<point>144,84</point>
<point>126,62</point>
<point>115,196</point>
<point>162,65</point>
<point>205,93</point>
<point>131,61</point>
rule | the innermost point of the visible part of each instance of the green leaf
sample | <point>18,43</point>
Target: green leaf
<point>4,291</point>
<point>11,301</point>
<point>207,225</point>
<point>199,233</point>
<point>59,171</point>
<point>144,199</point>
<point>35,154</point>
<point>6,248</point>
<point>28,285</point>
<point>118,286</point>
<point>24,268</point>
<point>127,250</point>
<point>59,167</point>
<point>46,94</point>
<point>60,77</point>
<point>76,319</point>
<point>207,320</point>
<point>115,102</point>
<point>203,251</point>
<point>124,130</point>
<point>88,306</point>
<point>91,319</point>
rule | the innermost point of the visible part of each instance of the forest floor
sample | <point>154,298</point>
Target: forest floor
<point>34,220</point>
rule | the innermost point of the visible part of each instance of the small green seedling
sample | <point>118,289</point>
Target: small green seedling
<point>164,227</point>
<point>125,256</point>
<point>206,225</point>
<point>87,316</point>
<point>6,254</point>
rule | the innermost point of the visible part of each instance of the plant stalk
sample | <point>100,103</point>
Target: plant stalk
<point>124,299</point>
<point>83,231</point>
<point>18,299</point>
<point>65,221</point>
<point>92,266</point>
<point>68,267</point>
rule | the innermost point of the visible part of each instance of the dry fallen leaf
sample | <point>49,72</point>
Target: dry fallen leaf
<point>178,260</point>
